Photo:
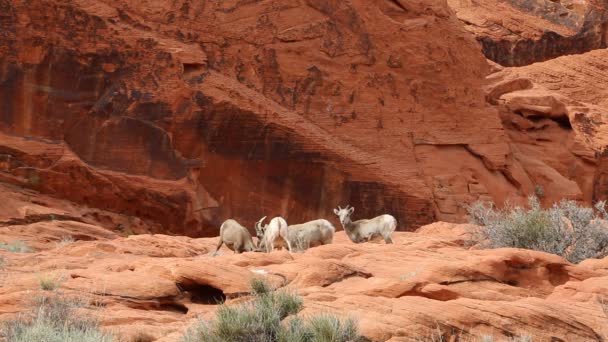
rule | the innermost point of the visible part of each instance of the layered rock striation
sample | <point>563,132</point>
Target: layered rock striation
<point>521,32</point>
<point>178,115</point>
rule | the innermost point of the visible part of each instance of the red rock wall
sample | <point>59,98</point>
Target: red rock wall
<point>294,107</point>
<point>522,32</point>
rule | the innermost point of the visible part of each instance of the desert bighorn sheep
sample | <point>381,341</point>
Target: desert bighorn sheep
<point>236,237</point>
<point>305,235</point>
<point>269,235</point>
<point>365,230</point>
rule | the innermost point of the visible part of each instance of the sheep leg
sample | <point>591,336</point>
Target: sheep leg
<point>388,239</point>
<point>239,247</point>
<point>288,245</point>
<point>219,245</point>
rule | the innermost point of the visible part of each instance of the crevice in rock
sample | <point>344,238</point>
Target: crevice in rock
<point>474,280</point>
<point>160,304</point>
<point>191,69</point>
<point>351,275</point>
<point>398,4</point>
<point>537,117</point>
<point>175,307</point>
<point>528,51</point>
<point>564,122</point>
<point>202,293</point>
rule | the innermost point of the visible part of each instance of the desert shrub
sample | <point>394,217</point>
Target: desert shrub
<point>65,240</point>
<point>329,328</point>
<point>54,320</point>
<point>262,320</point>
<point>142,336</point>
<point>50,282</point>
<point>259,286</point>
<point>295,330</point>
<point>565,229</point>
<point>539,191</point>
<point>16,246</point>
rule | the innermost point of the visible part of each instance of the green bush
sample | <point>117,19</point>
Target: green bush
<point>565,229</point>
<point>50,283</point>
<point>328,328</point>
<point>262,319</point>
<point>259,286</point>
<point>16,246</point>
<point>54,320</point>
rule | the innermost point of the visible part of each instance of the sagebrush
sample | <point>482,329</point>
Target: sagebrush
<point>54,320</point>
<point>567,229</point>
<point>16,247</point>
<point>271,317</point>
<point>50,282</point>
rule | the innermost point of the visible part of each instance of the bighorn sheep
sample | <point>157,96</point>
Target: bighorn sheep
<point>236,237</point>
<point>269,235</point>
<point>366,230</point>
<point>309,234</point>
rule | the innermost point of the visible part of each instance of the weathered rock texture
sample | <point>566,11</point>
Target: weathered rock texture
<point>294,107</point>
<point>555,114</point>
<point>521,32</point>
<point>426,284</point>
<point>171,116</point>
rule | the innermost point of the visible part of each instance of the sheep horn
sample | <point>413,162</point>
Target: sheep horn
<point>262,219</point>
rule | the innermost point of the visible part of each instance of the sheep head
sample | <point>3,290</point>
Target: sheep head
<point>344,214</point>
<point>260,228</point>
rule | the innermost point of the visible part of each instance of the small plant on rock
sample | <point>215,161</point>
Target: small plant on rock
<point>539,191</point>
<point>260,287</point>
<point>565,229</point>
<point>142,336</point>
<point>65,240</point>
<point>16,246</point>
<point>54,320</point>
<point>50,283</point>
<point>263,319</point>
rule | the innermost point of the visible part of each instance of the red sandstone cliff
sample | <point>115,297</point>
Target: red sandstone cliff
<point>181,113</point>
<point>521,32</point>
<point>121,117</point>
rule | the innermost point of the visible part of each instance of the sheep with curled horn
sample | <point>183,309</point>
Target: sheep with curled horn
<point>269,235</point>
<point>366,230</point>
<point>236,237</point>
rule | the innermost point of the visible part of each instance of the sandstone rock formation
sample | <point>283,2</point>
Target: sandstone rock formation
<point>184,113</point>
<point>555,115</point>
<point>125,122</point>
<point>171,116</point>
<point>427,283</point>
<point>521,32</point>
